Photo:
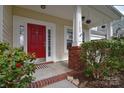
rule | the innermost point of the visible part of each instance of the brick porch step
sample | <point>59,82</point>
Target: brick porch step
<point>43,65</point>
<point>45,82</point>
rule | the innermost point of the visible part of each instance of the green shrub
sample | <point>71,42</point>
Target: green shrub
<point>16,68</point>
<point>103,57</point>
<point>116,60</point>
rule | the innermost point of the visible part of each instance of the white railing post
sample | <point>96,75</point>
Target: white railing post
<point>109,31</point>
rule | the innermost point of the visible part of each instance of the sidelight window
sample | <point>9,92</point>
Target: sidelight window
<point>49,42</point>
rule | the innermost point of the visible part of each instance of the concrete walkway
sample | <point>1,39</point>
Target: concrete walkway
<point>52,75</point>
<point>50,70</point>
<point>61,84</point>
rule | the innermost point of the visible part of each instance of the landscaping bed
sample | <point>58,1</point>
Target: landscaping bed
<point>116,81</point>
<point>104,64</point>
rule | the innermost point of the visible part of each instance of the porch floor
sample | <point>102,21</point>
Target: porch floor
<point>45,71</point>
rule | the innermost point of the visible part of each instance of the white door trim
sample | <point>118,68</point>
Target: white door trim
<point>17,21</point>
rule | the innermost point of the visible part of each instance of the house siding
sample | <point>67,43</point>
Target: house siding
<point>60,23</point>
<point>7,24</point>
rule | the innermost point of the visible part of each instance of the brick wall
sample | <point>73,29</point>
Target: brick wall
<point>74,59</point>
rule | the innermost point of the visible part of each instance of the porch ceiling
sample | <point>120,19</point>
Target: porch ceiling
<point>97,14</point>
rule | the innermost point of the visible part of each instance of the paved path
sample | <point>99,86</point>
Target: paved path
<point>61,84</point>
<point>52,75</point>
<point>50,70</point>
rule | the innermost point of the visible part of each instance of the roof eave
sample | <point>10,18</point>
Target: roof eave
<point>116,11</point>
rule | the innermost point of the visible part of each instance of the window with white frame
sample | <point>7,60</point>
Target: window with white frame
<point>68,38</point>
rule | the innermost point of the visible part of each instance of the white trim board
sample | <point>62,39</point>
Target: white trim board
<point>1,22</point>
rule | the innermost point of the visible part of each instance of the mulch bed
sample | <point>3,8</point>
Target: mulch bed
<point>116,81</point>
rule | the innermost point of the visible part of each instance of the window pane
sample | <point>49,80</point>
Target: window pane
<point>69,38</point>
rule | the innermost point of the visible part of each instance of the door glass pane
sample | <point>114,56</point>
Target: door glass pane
<point>21,37</point>
<point>49,42</point>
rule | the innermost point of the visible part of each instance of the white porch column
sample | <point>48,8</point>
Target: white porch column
<point>1,22</point>
<point>109,31</point>
<point>77,26</point>
<point>87,35</point>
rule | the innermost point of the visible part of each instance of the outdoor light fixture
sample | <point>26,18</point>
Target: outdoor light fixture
<point>83,17</point>
<point>88,21</point>
<point>103,26</point>
<point>43,6</point>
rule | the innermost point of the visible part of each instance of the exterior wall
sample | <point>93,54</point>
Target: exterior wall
<point>1,22</point>
<point>60,23</point>
<point>87,36</point>
<point>96,37</point>
<point>96,33</point>
<point>118,27</point>
<point>7,24</point>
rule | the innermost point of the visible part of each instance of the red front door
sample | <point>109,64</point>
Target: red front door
<point>37,40</point>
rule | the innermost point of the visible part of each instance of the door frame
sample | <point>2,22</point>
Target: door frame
<point>17,21</point>
<point>39,43</point>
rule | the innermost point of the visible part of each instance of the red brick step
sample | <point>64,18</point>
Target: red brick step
<point>45,82</point>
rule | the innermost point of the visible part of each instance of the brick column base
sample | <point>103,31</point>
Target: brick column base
<point>74,59</point>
